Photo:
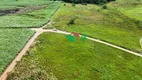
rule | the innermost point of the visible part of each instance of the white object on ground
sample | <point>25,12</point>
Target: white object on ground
<point>141,42</point>
<point>54,29</point>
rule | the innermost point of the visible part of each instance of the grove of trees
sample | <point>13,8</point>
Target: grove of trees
<point>88,1</point>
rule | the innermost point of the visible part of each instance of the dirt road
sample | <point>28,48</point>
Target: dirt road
<point>100,41</point>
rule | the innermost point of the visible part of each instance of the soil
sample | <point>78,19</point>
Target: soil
<point>5,12</point>
<point>30,8</point>
<point>21,10</point>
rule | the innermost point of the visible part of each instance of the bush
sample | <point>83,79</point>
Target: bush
<point>89,1</point>
<point>73,4</point>
<point>98,10</point>
<point>105,7</point>
<point>84,4</point>
<point>72,20</point>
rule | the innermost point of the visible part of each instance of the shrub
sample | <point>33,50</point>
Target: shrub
<point>72,20</point>
<point>73,4</point>
<point>84,4</point>
<point>98,10</point>
<point>89,1</point>
<point>105,7</point>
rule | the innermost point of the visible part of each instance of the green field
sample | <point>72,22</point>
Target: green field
<point>11,42</point>
<point>130,8</point>
<point>54,57</point>
<point>106,24</point>
<point>10,4</point>
<point>135,13</point>
<point>34,18</point>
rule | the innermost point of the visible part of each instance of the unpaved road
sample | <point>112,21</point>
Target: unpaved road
<point>99,41</point>
<point>41,30</point>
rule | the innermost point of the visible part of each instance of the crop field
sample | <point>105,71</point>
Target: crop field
<point>12,38</point>
<point>106,24</point>
<point>11,42</point>
<point>111,49</point>
<point>34,18</point>
<point>10,4</point>
<point>54,57</point>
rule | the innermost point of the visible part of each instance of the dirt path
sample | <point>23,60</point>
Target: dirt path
<point>41,30</point>
<point>99,41</point>
<point>96,40</point>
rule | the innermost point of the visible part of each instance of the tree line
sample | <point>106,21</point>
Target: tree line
<point>88,1</point>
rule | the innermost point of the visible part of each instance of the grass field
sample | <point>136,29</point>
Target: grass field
<point>130,8</point>
<point>30,19</point>
<point>11,42</point>
<point>9,4</point>
<point>54,57</point>
<point>106,24</point>
<point>135,13</point>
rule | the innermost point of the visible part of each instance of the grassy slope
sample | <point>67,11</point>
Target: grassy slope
<point>135,13</point>
<point>31,19</point>
<point>11,41</point>
<point>130,8</point>
<point>109,25</point>
<point>80,60</point>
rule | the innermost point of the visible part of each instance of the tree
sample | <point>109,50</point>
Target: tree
<point>88,1</point>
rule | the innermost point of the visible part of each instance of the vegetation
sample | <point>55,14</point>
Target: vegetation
<point>9,4</point>
<point>106,24</point>
<point>12,41</point>
<point>104,7</point>
<point>133,12</point>
<point>30,19</point>
<point>54,57</point>
<point>130,8</point>
<point>61,59</point>
<point>88,1</point>
<point>72,20</point>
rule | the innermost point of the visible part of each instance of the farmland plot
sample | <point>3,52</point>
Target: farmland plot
<point>10,4</point>
<point>54,57</point>
<point>30,19</point>
<point>11,42</point>
<point>106,24</point>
